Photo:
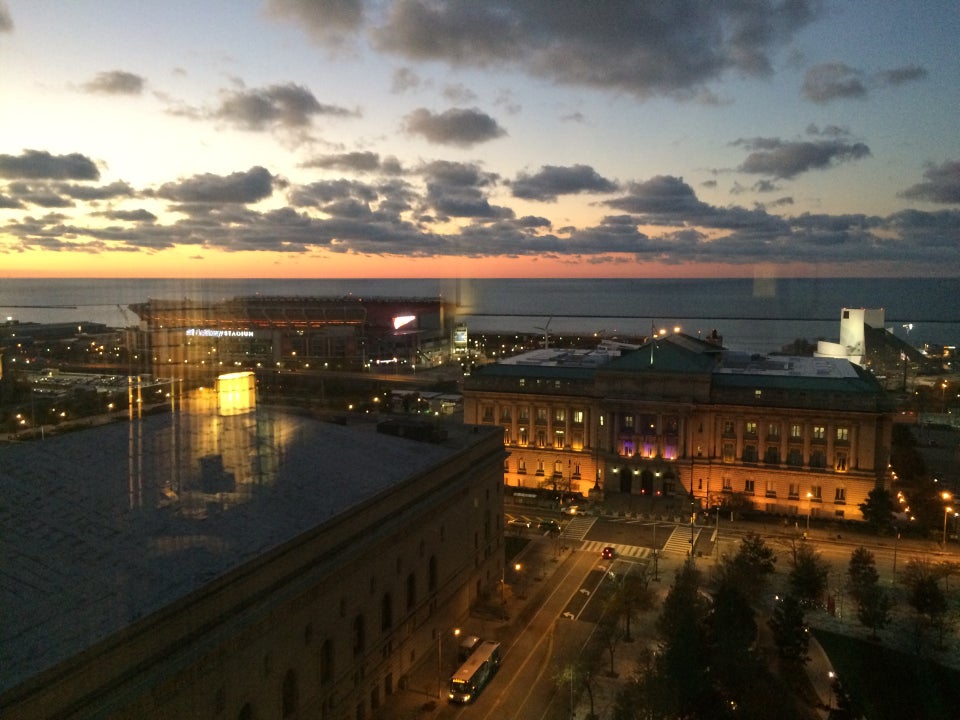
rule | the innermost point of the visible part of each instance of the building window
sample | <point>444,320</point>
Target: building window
<point>578,417</point>
<point>727,484</point>
<point>577,440</point>
<point>359,638</point>
<point>750,428</point>
<point>522,466</point>
<point>627,421</point>
<point>326,661</point>
<point>290,699</point>
<point>559,415</point>
<point>794,490</point>
<point>411,591</point>
<point>541,438</point>
<point>488,413</point>
<point>541,416</point>
<point>773,431</point>
<point>796,431</point>
<point>522,437</point>
<point>539,467</point>
<point>771,489</point>
<point>816,493</point>
<point>557,468</point>
<point>558,439</point>
<point>505,414</point>
<point>506,436</point>
<point>794,457</point>
<point>506,465</point>
<point>819,432</point>
<point>523,382</point>
<point>728,453</point>
<point>772,455</point>
<point>626,448</point>
<point>750,453</point>
<point>523,414</point>
<point>840,495</point>
<point>841,463</point>
<point>843,434</point>
<point>728,427</point>
<point>576,470</point>
<point>748,486</point>
<point>556,384</point>
<point>818,459</point>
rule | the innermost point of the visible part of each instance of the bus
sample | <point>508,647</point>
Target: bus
<point>475,672</point>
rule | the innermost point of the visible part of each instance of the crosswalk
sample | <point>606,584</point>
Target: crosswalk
<point>632,551</point>
<point>679,540</point>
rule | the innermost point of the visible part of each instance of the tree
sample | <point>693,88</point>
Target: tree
<point>750,567</point>
<point>631,597</point>
<point>873,607</point>
<point>790,634</point>
<point>808,573</point>
<point>879,509</point>
<point>925,597</point>
<point>862,571</point>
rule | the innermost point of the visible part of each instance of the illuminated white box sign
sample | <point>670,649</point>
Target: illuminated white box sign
<point>400,320</point>
<point>206,332</point>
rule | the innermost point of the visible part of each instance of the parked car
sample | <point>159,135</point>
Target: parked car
<point>549,525</point>
<point>519,523</point>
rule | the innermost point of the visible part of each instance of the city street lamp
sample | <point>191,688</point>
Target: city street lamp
<point>456,633</point>
<point>946,510</point>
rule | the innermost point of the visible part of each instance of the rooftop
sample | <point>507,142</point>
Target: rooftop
<point>105,526</point>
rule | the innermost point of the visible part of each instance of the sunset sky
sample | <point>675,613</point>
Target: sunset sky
<point>521,138</point>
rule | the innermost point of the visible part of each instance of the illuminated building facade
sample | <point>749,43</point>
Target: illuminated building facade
<point>212,562</point>
<point>190,339</point>
<point>680,417</point>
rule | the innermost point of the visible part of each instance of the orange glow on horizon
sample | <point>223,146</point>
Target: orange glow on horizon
<point>178,263</point>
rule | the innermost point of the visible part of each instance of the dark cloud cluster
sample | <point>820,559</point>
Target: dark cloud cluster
<point>357,162</point>
<point>786,159</point>
<point>942,184</point>
<point>240,187</point>
<point>658,219</point>
<point>40,164</point>
<point>116,82</point>
<point>641,47</point>
<point>288,106</point>
<point>329,21</point>
<point>827,82</point>
<point>463,127</point>
<point>553,180</point>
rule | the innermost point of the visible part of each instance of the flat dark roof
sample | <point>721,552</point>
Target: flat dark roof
<point>104,526</point>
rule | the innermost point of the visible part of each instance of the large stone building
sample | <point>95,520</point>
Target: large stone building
<point>682,417</point>
<point>239,563</point>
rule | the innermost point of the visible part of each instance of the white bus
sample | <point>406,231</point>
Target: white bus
<point>475,672</point>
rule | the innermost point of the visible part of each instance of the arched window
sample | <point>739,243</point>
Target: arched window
<point>290,695</point>
<point>386,612</point>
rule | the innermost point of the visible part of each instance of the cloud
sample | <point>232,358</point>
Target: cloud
<point>137,216</point>
<point>639,47</point>
<point>901,75</point>
<point>329,22</point>
<point>288,106</point>
<point>831,81</point>
<point>361,162</point>
<point>787,159</point>
<point>240,187</point>
<point>6,21</point>
<point>662,195</point>
<point>115,82</point>
<point>40,164</point>
<point>404,79</point>
<point>836,81</point>
<point>554,180</point>
<point>942,184</point>
<point>457,126</point>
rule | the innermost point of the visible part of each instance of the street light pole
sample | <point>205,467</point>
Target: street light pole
<point>947,510</point>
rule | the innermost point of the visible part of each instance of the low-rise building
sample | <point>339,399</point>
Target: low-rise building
<point>681,417</point>
<point>215,561</point>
